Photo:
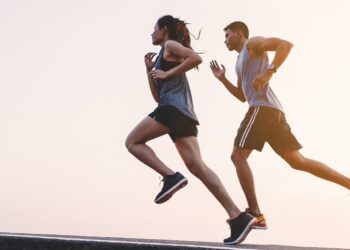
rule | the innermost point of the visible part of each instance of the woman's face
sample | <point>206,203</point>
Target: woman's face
<point>158,35</point>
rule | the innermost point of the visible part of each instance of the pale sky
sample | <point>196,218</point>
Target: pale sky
<point>73,84</point>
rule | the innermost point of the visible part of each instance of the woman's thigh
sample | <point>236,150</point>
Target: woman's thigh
<point>147,130</point>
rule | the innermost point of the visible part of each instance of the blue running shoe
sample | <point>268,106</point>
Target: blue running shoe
<point>172,183</point>
<point>240,228</point>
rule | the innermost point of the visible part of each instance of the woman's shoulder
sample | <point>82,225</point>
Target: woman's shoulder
<point>172,44</point>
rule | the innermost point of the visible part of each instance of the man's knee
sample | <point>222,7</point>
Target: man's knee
<point>238,156</point>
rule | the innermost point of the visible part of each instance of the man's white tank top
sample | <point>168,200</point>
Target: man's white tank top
<point>247,68</point>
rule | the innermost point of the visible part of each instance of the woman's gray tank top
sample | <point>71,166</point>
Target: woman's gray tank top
<point>174,91</point>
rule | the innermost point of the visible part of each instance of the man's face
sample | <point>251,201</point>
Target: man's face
<point>157,35</point>
<point>231,39</point>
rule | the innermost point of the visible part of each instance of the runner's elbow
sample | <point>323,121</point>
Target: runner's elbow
<point>287,45</point>
<point>242,99</point>
<point>197,60</point>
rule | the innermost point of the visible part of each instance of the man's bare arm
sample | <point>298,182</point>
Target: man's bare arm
<point>220,75</point>
<point>258,45</point>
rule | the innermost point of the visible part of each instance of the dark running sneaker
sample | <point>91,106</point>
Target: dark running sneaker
<point>261,221</point>
<point>240,228</point>
<point>172,183</point>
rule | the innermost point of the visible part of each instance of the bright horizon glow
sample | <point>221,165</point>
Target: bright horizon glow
<point>73,84</point>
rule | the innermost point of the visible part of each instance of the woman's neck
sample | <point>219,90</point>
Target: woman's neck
<point>164,41</point>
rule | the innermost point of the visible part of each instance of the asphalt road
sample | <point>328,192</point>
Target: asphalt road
<point>17,241</point>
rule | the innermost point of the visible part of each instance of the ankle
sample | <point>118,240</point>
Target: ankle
<point>254,212</point>
<point>168,173</point>
<point>234,213</point>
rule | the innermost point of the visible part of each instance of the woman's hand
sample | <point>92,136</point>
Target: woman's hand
<point>158,74</point>
<point>149,61</point>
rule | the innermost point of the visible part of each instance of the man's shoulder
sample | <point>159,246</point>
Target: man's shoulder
<point>253,45</point>
<point>254,41</point>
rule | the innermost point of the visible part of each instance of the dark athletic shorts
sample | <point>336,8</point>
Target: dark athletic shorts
<point>180,124</point>
<point>264,124</point>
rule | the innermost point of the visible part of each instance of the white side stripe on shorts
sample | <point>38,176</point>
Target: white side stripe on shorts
<point>249,126</point>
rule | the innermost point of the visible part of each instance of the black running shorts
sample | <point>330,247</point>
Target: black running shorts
<point>180,124</point>
<point>264,124</point>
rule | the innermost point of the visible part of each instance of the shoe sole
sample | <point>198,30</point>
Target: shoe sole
<point>260,227</point>
<point>244,234</point>
<point>261,224</point>
<point>166,196</point>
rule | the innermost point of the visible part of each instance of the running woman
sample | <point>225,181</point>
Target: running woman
<point>175,116</point>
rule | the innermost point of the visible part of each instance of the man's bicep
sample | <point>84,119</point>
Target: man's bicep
<point>239,86</point>
<point>261,44</point>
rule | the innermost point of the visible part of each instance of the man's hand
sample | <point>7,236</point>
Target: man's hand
<point>149,61</point>
<point>217,71</point>
<point>261,80</point>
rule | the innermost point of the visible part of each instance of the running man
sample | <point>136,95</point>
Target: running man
<point>265,120</point>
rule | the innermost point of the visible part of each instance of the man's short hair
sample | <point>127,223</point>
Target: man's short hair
<point>238,26</point>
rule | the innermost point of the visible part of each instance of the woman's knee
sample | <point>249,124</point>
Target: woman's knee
<point>196,167</point>
<point>130,142</point>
